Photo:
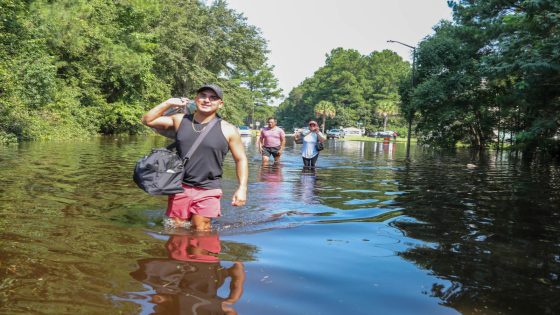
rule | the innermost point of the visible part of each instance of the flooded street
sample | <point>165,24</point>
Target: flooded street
<point>364,233</point>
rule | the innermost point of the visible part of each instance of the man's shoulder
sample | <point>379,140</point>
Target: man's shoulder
<point>178,118</point>
<point>228,129</point>
<point>226,124</point>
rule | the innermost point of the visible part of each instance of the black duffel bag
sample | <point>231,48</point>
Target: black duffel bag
<point>161,172</point>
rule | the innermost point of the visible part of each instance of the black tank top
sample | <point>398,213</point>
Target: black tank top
<point>205,167</point>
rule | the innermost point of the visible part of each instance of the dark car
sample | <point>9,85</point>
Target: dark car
<point>383,134</point>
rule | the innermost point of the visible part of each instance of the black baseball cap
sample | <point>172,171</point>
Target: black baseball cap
<point>212,87</point>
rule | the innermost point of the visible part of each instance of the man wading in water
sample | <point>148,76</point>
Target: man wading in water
<point>200,202</point>
<point>271,141</point>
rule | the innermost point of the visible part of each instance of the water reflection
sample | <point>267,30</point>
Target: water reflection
<point>187,282</point>
<point>271,173</point>
<point>387,148</point>
<point>488,236</point>
<point>307,187</point>
<point>356,148</point>
<point>481,239</point>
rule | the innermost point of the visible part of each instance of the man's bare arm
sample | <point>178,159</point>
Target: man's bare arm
<point>241,165</point>
<point>154,117</point>
<point>260,142</point>
<point>283,143</point>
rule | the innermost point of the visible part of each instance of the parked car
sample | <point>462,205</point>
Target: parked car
<point>302,130</point>
<point>244,131</point>
<point>335,134</point>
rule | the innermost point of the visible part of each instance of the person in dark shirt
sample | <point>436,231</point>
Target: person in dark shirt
<point>200,201</point>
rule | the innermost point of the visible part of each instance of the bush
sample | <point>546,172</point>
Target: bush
<point>6,138</point>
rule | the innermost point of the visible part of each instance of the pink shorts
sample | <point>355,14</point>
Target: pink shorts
<point>194,200</point>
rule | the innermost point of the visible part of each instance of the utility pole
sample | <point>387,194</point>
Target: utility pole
<point>410,114</point>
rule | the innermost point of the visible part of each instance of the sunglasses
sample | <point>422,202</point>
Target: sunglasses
<point>312,124</point>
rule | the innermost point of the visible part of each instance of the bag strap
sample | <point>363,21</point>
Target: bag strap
<point>201,137</point>
<point>198,140</point>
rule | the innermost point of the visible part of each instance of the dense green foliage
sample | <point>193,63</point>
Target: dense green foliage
<point>76,68</point>
<point>363,90</point>
<point>494,70</point>
<point>72,68</point>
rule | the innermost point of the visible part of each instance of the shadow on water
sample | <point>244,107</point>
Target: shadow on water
<point>476,233</point>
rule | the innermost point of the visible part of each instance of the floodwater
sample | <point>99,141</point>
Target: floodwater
<point>364,233</point>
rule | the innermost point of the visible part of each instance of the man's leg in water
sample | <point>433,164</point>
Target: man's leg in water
<point>265,156</point>
<point>277,157</point>
<point>205,206</point>
<point>178,207</point>
<point>201,223</point>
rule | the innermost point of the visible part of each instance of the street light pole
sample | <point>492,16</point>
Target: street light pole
<point>410,114</point>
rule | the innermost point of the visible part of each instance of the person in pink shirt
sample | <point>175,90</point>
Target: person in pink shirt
<point>271,141</point>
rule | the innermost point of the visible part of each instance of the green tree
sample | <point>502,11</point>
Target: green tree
<point>451,97</point>
<point>491,72</point>
<point>75,68</point>
<point>325,109</point>
<point>387,108</point>
<point>263,87</point>
<point>357,84</point>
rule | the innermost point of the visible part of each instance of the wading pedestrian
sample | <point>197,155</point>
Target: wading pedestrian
<point>271,142</point>
<point>309,151</point>
<point>200,201</point>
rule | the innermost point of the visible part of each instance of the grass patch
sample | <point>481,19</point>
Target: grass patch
<point>376,139</point>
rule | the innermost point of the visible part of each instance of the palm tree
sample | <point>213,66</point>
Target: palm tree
<point>387,107</point>
<point>325,109</point>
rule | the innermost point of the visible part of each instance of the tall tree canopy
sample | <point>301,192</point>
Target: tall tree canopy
<point>358,86</point>
<point>72,68</point>
<point>495,70</point>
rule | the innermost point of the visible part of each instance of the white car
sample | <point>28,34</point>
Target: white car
<point>335,134</point>
<point>245,131</point>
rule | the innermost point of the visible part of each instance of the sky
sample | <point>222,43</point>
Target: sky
<point>301,32</point>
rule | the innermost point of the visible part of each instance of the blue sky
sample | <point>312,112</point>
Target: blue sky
<point>301,32</point>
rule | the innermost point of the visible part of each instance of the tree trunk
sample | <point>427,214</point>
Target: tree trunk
<point>385,118</point>
<point>499,127</point>
<point>408,138</point>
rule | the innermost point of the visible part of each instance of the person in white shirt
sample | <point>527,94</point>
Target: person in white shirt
<point>309,151</point>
